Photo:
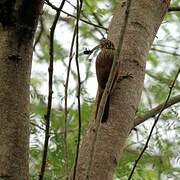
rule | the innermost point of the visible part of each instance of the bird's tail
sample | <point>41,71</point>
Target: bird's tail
<point>106,109</point>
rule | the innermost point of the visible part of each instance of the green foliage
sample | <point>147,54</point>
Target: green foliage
<point>55,163</point>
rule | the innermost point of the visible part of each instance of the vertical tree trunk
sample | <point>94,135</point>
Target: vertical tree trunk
<point>144,20</point>
<point>18,21</point>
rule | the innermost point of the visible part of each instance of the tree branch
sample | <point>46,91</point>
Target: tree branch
<point>153,112</point>
<point>174,9</point>
<point>164,80</point>
<point>40,33</point>
<point>71,54</point>
<point>154,125</point>
<point>50,83</point>
<point>79,6</point>
<point>165,52</point>
<point>87,22</point>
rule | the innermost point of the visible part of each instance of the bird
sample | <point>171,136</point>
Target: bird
<point>104,61</point>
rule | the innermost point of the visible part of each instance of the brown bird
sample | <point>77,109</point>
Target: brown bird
<point>104,62</point>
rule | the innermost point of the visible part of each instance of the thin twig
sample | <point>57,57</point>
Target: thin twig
<point>65,103</point>
<point>154,125</point>
<point>36,125</point>
<point>79,6</point>
<point>108,87</point>
<point>72,72</point>
<point>50,83</point>
<point>87,22</point>
<point>68,14</point>
<point>163,79</point>
<point>171,9</point>
<point>87,73</point>
<point>40,33</point>
<point>165,52</point>
<point>71,54</point>
<point>51,5</point>
<point>71,4</point>
<point>154,111</point>
<point>85,16</point>
<point>165,46</point>
<point>94,14</point>
<point>98,23</point>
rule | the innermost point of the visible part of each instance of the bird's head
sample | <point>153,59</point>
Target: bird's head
<point>106,44</point>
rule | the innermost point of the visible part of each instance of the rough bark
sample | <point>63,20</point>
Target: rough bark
<point>18,21</point>
<point>144,20</point>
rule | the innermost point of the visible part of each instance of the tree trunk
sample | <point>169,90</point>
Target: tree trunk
<point>18,21</point>
<point>144,20</point>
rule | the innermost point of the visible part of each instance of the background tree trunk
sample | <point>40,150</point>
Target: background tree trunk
<point>18,21</point>
<point>144,20</point>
